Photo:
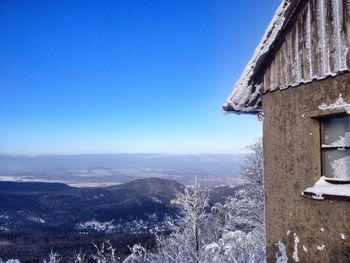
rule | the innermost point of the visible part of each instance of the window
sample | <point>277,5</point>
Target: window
<point>334,184</point>
<point>335,148</point>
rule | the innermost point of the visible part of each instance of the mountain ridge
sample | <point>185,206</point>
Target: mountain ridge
<point>57,208</point>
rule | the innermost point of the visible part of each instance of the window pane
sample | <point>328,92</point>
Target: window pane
<point>336,131</point>
<point>336,163</point>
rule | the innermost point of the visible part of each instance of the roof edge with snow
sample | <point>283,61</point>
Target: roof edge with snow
<point>246,97</point>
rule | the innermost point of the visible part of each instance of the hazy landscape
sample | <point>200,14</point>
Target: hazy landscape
<point>66,202</point>
<point>103,170</point>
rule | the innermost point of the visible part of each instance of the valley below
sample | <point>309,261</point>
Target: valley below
<point>66,203</point>
<point>37,217</point>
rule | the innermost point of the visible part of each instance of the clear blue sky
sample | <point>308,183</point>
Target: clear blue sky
<point>125,76</point>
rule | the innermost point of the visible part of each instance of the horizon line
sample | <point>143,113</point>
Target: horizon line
<point>245,151</point>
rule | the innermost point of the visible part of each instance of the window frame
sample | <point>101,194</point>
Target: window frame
<point>324,149</point>
<point>317,116</point>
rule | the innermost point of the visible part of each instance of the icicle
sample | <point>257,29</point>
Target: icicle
<point>308,42</point>
<point>297,56</point>
<point>340,64</point>
<point>286,65</point>
<point>323,45</point>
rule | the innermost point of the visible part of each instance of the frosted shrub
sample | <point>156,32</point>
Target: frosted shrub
<point>54,257</point>
<point>140,255</point>
<point>79,257</point>
<point>105,253</point>
<point>10,261</point>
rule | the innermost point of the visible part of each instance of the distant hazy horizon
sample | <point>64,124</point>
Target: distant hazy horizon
<point>243,150</point>
<point>107,169</point>
<point>176,151</point>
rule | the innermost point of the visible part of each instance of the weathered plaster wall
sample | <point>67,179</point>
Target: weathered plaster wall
<point>292,163</point>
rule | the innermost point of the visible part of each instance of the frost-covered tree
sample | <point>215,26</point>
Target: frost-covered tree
<point>240,219</point>
<point>236,247</point>
<point>105,253</point>
<point>242,234</point>
<point>246,208</point>
<point>253,194</point>
<point>140,255</point>
<point>233,231</point>
<point>79,256</point>
<point>194,204</point>
<point>10,261</point>
<point>54,257</point>
<point>253,167</point>
<point>186,242</point>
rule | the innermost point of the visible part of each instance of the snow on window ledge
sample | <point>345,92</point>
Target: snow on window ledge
<point>326,190</point>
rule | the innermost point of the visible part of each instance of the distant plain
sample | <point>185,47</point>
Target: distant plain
<point>112,169</point>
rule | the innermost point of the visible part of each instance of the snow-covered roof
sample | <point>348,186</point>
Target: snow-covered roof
<point>296,48</point>
<point>244,91</point>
